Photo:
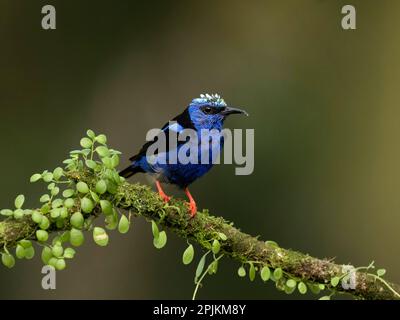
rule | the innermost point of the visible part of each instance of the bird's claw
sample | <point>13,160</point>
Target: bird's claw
<point>165,198</point>
<point>192,208</point>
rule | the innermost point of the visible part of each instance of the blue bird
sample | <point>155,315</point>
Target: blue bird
<point>206,112</point>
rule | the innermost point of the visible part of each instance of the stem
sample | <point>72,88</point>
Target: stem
<point>202,277</point>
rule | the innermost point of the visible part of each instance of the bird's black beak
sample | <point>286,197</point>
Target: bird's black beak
<point>230,110</point>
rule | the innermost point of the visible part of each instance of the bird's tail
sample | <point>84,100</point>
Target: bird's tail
<point>130,171</point>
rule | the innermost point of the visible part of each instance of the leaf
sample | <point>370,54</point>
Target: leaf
<point>45,223</point>
<point>241,272</point>
<point>69,203</point>
<point>58,173</point>
<point>314,288</point>
<point>44,198</point>
<point>76,237</point>
<point>25,243</point>
<point>325,298</point>
<point>42,235</point>
<point>123,225</point>
<point>106,207</point>
<point>222,236</point>
<point>95,197</point>
<point>335,281</point>
<point>36,217</point>
<point>90,134</point>
<point>200,267</point>
<point>29,252</point>
<point>77,220</point>
<point>8,260</point>
<point>271,243</point>
<point>278,273</point>
<point>213,267</point>
<point>101,187</point>
<point>100,236</point>
<point>115,161</point>
<point>69,253</point>
<point>302,287</point>
<point>216,246</point>
<point>291,283</point>
<point>161,240</point>
<point>188,255</point>
<point>56,203</point>
<point>107,162</point>
<point>102,151</point>
<point>380,272</point>
<point>57,250</point>
<point>112,220</point>
<point>18,214</point>
<point>55,191</point>
<point>20,252</point>
<point>101,138</point>
<point>265,273</point>
<point>82,187</point>
<point>289,290</point>
<point>67,193</point>
<point>252,272</point>
<point>60,264</point>
<point>47,177</point>
<point>46,255</point>
<point>154,229</point>
<point>86,143</point>
<point>6,212</point>
<point>19,201</point>
<point>87,205</point>
<point>90,163</point>
<point>35,177</point>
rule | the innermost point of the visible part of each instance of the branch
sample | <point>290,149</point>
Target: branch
<point>204,227</point>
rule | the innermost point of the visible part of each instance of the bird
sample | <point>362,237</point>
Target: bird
<point>209,111</point>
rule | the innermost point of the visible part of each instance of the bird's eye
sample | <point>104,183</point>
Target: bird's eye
<point>207,110</point>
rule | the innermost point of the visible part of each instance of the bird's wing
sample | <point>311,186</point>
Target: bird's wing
<point>175,127</point>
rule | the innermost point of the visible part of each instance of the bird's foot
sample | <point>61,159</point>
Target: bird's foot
<point>164,197</point>
<point>162,193</point>
<point>192,208</point>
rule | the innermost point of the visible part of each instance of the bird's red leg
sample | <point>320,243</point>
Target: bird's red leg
<point>161,192</point>
<point>192,203</point>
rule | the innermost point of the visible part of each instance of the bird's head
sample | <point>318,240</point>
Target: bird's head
<point>210,111</point>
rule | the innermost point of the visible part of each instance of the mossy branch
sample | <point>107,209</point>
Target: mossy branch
<point>142,201</point>
<point>92,187</point>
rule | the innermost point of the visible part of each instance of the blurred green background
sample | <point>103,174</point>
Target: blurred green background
<point>324,104</point>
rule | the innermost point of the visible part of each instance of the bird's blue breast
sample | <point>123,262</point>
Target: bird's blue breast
<point>183,174</point>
